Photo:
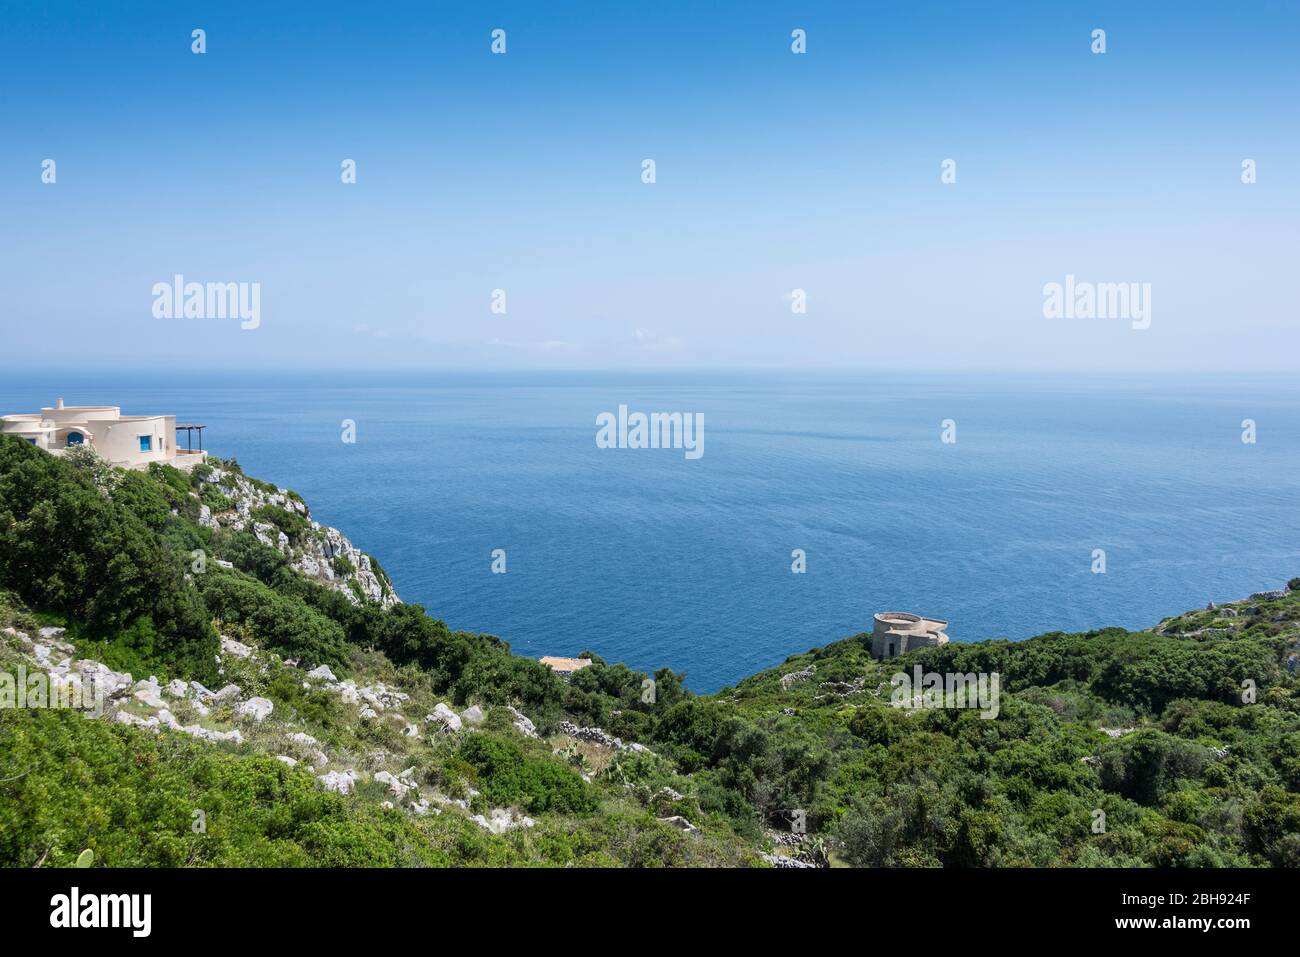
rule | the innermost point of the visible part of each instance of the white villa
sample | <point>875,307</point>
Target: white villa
<point>129,440</point>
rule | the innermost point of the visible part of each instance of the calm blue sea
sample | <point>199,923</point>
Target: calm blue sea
<point>647,558</point>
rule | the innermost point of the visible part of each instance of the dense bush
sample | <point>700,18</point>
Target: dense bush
<point>131,797</point>
<point>282,622</point>
<point>294,525</point>
<point>68,547</point>
<point>506,776</point>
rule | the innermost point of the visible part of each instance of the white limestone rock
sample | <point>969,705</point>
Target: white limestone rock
<point>125,717</point>
<point>322,673</point>
<point>501,820</point>
<point>65,683</point>
<point>148,693</point>
<point>449,719</point>
<point>198,731</point>
<point>271,536</point>
<point>237,648</point>
<point>340,782</point>
<point>256,708</point>
<point>522,724</point>
<point>22,637</point>
<point>793,678</point>
<point>395,787</point>
<point>680,823</point>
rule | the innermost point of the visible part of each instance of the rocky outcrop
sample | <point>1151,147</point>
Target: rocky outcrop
<point>396,786</point>
<point>602,737</point>
<point>793,678</point>
<point>444,716</point>
<point>777,860</point>
<point>339,782</point>
<point>234,716</point>
<point>322,553</point>
<point>522,724</point>
<point>148,693</point>
<point>680,823</point>
<point>500,820</point>
<point>259,709</point>
<point>236,648</point>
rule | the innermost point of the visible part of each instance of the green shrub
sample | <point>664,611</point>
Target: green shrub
<point>293,525</point>
<point>171,477</point>
<point>282,623</point>
<point>66,547</point>
<point>132,796</point>
<point>216,500</point>
<point>506,777</point>
<point>249,554</point>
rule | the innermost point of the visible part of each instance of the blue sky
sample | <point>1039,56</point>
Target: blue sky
<point>774,172</point>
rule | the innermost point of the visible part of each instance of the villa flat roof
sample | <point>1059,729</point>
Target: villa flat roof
<point>906,622</point>
<point>564,664</point>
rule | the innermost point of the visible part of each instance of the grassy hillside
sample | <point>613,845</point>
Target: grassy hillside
<point>419,745</point>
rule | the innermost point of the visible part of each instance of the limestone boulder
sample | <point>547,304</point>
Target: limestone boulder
<point>256,708</point>
<point>444,716</point>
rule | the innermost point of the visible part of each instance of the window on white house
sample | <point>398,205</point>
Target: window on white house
<point>146,443</point>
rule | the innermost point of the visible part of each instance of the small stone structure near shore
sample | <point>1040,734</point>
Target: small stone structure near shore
<point>898,632</point>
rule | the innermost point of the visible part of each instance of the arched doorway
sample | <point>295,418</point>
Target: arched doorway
<point>75,438</point>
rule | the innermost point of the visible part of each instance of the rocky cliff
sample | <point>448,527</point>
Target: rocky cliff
<point>319,552</point>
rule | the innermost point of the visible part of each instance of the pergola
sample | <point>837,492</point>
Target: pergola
<point>189,432</point>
